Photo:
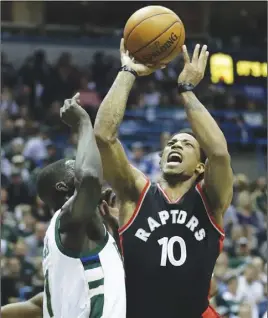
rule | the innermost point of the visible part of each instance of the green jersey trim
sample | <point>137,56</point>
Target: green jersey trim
<point>67,252</point>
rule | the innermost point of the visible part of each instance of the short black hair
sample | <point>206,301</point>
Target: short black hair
<point>188,131</point>
<point>49,176</point>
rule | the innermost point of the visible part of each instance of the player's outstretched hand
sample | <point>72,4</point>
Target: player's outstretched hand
<point>140,69</point>
<point>194,70</point>
<point>72,113</point>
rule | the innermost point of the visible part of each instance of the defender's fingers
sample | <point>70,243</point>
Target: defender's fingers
<point>122,46</point>
<point>185,54</point>
<point>105,208</point>
<point>76,97</point>
<point>113,200</point>
<point>196,53</point>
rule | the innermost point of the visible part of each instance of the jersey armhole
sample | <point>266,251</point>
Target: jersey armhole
<point>137,208</point>
<point>67,252</point>
<point>200,191</point>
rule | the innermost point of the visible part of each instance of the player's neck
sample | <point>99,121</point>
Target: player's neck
<point>174,187</point>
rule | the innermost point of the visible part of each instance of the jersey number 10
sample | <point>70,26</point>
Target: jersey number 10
<point>168,251</point>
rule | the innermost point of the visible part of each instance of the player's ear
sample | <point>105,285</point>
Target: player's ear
<point>200,168</point>
<point>61,186</point>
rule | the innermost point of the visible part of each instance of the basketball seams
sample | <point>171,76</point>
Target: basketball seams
<point>157,37</point>
<point>154,15</point>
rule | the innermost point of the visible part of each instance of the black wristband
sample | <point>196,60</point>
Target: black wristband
<point>128,69</point>
<point>185,87</point>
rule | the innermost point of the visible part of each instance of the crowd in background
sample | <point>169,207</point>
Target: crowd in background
<point>30,101</point>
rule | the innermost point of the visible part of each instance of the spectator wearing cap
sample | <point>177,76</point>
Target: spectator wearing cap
<point>242,253</point>
<point>18,162</point>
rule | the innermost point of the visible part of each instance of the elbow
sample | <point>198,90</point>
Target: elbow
<point>104,138</point>
<point>93,177</point>
<point>221,153</point>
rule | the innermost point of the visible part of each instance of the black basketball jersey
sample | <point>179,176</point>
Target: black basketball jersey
<point>170,249</point>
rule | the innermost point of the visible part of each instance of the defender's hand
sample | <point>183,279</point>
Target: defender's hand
<point>108,210</point>
<point>72,113</point>
<point>194,70</point>
<point>140,69</point>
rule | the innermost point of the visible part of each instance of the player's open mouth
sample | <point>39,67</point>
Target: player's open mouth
<point>175,157</point>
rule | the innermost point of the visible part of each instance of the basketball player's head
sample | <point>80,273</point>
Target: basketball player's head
<point>182,158</point>
<point>55,183</point>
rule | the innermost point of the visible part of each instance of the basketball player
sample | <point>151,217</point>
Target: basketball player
<point>171,232</point>
<point>81,261</point>
<point>33,308</point>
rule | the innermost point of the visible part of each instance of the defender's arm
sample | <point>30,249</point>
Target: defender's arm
<point>32,308</point>
<point>81,212</point>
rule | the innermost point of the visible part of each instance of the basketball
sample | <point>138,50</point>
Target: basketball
<point>154,35</point>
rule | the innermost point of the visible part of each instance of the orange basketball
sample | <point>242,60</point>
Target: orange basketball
<point>154,35</point>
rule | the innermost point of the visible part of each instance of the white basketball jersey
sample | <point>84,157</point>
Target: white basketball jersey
<point>82,286</point>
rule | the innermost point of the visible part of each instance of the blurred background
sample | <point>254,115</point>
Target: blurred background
<point>50,50</point>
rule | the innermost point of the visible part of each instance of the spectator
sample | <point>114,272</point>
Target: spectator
<point>18,191</point>
<point>70,150</point>
<point>245,215</point>
<point>250,289</point>
<point>137,158</point>
<point>152,96</point>
<point>35,147</point>
<point>229,299</point>
<point>154,158</point>
<point>36,240</point>
<point>10,280</point>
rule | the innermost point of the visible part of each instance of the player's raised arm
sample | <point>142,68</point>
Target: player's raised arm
<point>218,179</point>
<point>32,308</point>
<point>87,170</point>
<point>125,180</point>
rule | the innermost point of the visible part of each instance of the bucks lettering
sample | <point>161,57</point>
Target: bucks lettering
<point>174,217</point>
<point>158,49</point>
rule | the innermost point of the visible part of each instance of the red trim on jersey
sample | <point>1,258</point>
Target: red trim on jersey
<point>210,313</point>
<point>221,244</point>
<point>137,209</point>
<point>166,195</point>
<point>121,244</point>
<point>208,209</point>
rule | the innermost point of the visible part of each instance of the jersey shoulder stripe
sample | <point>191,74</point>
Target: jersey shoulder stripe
<point>65,251</point>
